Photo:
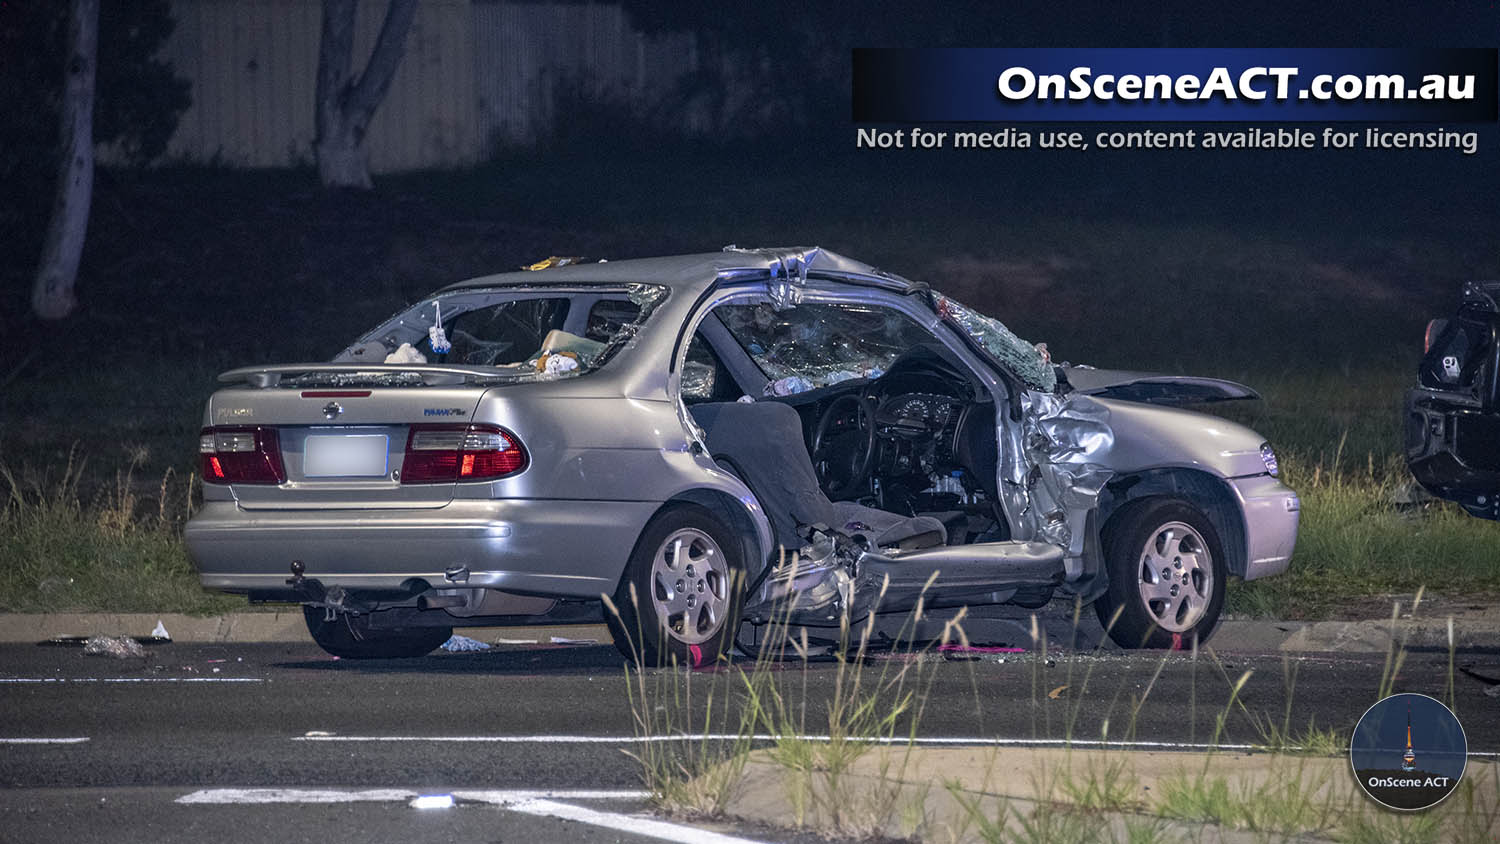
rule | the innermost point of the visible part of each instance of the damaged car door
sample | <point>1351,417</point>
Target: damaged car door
<point>871,422</point>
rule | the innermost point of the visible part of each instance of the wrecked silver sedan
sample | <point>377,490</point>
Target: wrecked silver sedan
<point>713,442</point>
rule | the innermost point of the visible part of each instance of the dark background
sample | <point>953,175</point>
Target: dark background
<point>1309,274</point>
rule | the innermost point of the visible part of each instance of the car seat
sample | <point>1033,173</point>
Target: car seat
<point>762,444</point>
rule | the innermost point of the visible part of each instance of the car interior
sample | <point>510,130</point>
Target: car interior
<point>517,330</point>
<point>902,457</point>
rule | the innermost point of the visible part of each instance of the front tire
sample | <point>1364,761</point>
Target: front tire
<point>348,636</point>
<point>1166,575</point>
<point>681,595</point>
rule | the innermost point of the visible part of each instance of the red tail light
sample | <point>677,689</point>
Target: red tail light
<point>241,455</point>
<point>448,453</point>
<point>1434,328</point>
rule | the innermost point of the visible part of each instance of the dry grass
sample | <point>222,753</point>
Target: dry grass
<point>866,776</point>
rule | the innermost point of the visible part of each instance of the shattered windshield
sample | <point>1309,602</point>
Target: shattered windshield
<point>530,333</point>
<point>1028,362</point>
<point>817,344</point>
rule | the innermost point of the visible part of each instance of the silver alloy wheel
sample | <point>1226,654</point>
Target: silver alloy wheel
<point>1176,577</point>
<point>690,586</point>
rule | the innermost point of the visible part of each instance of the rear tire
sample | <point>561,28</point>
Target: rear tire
<point>349,636</point>
<point>1166,575</point>
<point>688,584</point>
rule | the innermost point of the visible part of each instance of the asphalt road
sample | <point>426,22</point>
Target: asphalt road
<point>135,737</point>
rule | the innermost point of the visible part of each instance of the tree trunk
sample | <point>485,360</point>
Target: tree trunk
<point>341,160</point>
<point>346,105</point>
<point>52,295</point>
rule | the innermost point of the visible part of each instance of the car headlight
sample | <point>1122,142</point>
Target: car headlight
<point>1268,457</point>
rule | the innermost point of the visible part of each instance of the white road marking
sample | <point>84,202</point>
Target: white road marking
<point>887,740</point>
<point>895,740</point>
<point>527,801</point>
<point>132,679</point>
<point>295,795</point>
<point>74,740</point>
<point>501,797</point>
<point>625,823</point>
<point>513,795</point>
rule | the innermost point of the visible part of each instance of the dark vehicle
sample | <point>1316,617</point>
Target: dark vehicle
<point>1453,416</point>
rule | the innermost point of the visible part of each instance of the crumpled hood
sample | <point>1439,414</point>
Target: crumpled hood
<point>1155,387</point>
<point>1152,436</point>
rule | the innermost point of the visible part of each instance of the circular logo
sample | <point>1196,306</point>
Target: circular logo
<point>1408,752</point>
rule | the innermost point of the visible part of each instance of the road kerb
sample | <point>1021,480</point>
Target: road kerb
<point>242,627</point>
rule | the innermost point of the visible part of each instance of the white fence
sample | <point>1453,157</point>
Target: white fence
<point>474,72</point>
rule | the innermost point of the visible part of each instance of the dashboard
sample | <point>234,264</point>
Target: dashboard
<point>928,428</point>
<point>916,415</point>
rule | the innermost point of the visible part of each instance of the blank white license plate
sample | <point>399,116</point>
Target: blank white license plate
<point>345,456</point>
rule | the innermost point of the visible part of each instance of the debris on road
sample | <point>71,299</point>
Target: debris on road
<point>980,649</point>
<point>564,640</point>
<point>464,643</point>
<point>119,647</point>
<point>82,641</point>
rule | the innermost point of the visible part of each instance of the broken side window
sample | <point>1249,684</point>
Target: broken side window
<point>704,376</point>
<point>1024,360</point>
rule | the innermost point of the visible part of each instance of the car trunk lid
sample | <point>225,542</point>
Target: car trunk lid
<point>343,440</point>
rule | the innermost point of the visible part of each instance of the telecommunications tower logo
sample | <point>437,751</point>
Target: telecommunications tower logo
<point>1408,752</point>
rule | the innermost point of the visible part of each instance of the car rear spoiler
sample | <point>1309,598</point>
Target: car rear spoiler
<point>1154,388</point>
<point>430,374</point>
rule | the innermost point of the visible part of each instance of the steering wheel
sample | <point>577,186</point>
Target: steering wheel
<point>844,445</point>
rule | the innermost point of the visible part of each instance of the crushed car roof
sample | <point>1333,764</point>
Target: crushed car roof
<point>696,272</point>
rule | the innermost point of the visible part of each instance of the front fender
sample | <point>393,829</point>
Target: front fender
<point>1155,437</point>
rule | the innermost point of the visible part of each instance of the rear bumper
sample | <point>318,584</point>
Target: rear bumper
<point>571,549</point>
<point>1272,511</point>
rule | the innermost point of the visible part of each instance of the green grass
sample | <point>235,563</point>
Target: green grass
<point>118,553</point>
<point>1355,541</point>
<point>1291,803</point>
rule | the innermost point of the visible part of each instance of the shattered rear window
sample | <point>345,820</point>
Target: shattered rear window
<point>501,334</point>
<point>523,333</point>
<point>816,345</point>
<point>1023,359</point>
<point>609,316</point>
